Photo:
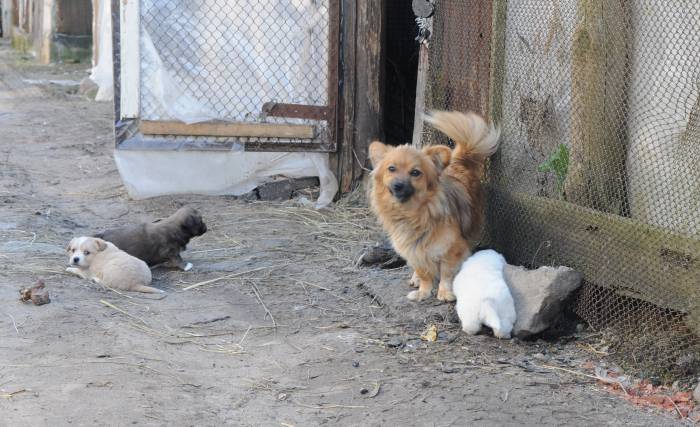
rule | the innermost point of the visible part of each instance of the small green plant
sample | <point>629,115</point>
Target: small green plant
<point>557,163</point>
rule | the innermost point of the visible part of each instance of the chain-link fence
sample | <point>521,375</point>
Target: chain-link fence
<point>599,165</point>
<point>216,60</point>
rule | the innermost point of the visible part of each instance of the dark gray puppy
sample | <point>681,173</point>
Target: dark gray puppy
<point>161,241</point>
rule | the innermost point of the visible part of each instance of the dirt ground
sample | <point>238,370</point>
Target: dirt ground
<point>283,329</point>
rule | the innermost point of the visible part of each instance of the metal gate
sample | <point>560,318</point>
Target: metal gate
<point>220,75</point>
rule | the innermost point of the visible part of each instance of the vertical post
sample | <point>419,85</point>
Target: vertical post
<point>599,73</point>
<point>369,77</point>
<point>346,138</point>
<point>421,86</point>
<point>130,56</point>
<point>46,30</point>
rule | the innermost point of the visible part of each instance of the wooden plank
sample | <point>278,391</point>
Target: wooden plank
<point>628,256</point>
<point>260,130</point>
<point>130,57</point>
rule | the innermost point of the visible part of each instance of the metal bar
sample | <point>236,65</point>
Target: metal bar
<point>297,111</point>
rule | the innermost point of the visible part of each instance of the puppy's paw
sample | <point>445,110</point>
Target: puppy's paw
<point>417,295</point>
<point>413,281</point>
<point>187,267</point>
<point>74,270</point>
<point>446,295</point>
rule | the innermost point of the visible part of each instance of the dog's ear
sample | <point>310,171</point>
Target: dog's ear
<point>377,151</point>
<point>440,155</point>
<point>101,245</point>
<point>193,225</point>
<point>68,246</point>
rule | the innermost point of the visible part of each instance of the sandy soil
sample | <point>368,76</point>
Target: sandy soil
<point>287,332</point>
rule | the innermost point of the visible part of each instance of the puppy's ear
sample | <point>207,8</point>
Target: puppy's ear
<point>440,155</point>
<point>377,151</point>
<point>68,246</point>
<point>101,245</point>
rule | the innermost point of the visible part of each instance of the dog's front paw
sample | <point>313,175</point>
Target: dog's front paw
<point>446,295</point>
<point>413,281</point>
<point>188,266</point>
<point>73,270</point>
<point>417,295</point>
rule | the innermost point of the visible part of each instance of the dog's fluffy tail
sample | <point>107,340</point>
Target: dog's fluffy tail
<point>474,139</point>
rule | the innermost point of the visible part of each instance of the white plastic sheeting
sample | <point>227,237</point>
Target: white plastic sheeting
<point>233,56</point>
<point>153,173</point>
<point>102,70</point>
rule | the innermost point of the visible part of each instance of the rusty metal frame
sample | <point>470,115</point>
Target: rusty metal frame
<point>328,112</point>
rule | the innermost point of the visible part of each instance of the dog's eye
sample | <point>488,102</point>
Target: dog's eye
<point>415,172</point>
<point>87,253</point>
<point>392,168</point>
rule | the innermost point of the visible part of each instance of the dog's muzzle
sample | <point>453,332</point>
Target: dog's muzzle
<point>402,190</point>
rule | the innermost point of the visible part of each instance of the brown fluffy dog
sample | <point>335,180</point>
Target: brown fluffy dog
<point>430,201</point>
<point>161,241</point>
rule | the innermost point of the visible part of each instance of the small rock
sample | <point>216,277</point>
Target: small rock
<point>449,369</point>
<point>696,393</point>
<point>282,396</point>
<point>538,295</point>
<point>38,294</point>
<point>394,342</point>
<point>355,364</point>
<point>539,356</point>
<point>364,391</point>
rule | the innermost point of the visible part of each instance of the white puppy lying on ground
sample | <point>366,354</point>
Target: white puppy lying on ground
<point>94,259</point>
<point>483,297</point>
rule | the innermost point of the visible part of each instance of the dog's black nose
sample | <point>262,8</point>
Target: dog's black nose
<point>76,260</point>
<point>402,190</point>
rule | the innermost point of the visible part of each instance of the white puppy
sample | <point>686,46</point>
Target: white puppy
<point>483,296</point>
<point>100,261</point>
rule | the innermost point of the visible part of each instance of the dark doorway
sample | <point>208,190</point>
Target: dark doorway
<point>400,70</point>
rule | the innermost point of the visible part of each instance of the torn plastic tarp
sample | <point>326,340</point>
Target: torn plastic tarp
<point>153,173</point>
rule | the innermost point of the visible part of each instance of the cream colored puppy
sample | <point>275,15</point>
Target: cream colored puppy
<point>102,262</point>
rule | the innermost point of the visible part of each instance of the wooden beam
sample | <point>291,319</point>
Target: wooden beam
<point>369,74</point>
<point>599,80</point>
<point>130,57</point>
<point>346,110</point>
<point>260,130</point>
<point>632,258</point>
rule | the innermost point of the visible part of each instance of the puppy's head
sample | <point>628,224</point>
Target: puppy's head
<point>81,250</point>
<point>405,174</point>
<point>190,221</point>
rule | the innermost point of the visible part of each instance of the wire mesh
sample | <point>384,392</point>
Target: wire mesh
<point>221,60</point>
<point>599,165</point>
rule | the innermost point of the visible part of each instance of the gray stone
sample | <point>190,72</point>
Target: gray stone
<point>538,295</point>
<point>696,393</point>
